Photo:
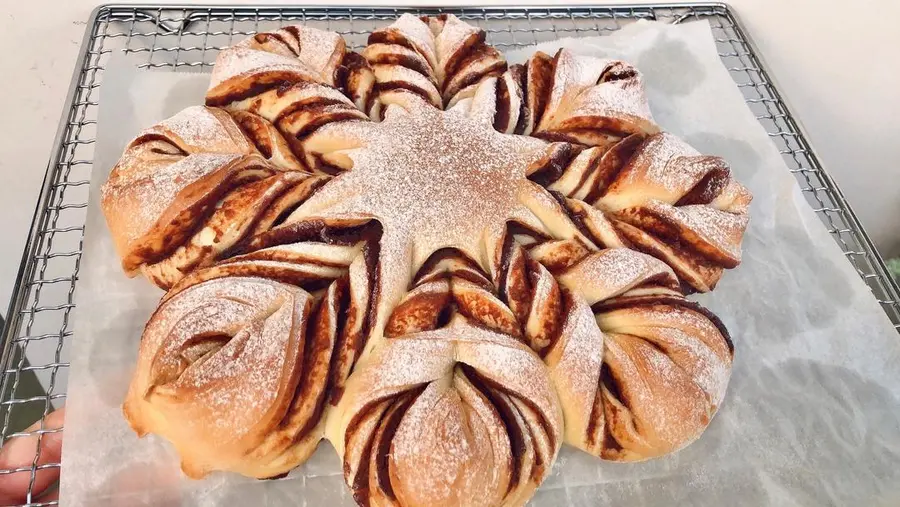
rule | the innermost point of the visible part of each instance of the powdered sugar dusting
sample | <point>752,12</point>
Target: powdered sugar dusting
<point>543,289</point>
<point>433,179</point>
<point>611,272</point>
<point>417,32</point>
<point>687,337</point>
<point>445,451</point>
<point>450,40</point>
<point>237,61</point>
<point>251,362</point>
<point>148,195</point>
<point>436,179</point>
<point>658,163</point>
<point>230,385</point>
<point>512,365</point>
<point>472,440</point>
<point>407,363</point>
<point>197,128</point>
<point>577,91</point>
<point>709,370</point>
<point>575,366</point>
<point>433,427</point>
<point>649,189</point>
<point>721,229</point>
<point>320,50</point>
<point>669,409</point>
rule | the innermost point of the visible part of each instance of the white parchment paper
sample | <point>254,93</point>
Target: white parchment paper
<point>811,416</point>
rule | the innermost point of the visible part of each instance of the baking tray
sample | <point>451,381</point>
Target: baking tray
<point>34,362</point>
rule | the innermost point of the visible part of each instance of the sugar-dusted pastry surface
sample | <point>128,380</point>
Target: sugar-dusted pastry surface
<point>445,265</point>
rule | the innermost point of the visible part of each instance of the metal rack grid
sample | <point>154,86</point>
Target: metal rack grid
<point>42,305</point>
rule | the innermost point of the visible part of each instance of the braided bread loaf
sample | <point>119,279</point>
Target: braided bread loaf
<point>444,265</point>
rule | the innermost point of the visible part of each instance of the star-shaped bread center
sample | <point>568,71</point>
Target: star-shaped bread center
<point>434,179</point>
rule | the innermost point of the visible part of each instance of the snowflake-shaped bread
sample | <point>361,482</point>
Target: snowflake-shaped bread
<point>445,265</point>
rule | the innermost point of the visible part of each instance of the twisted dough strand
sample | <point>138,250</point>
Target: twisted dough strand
<point>660,196</point>
<point>298,78</point>
<point>211,354</point>
<point>218,368</point>
<point>438,58</point>
<point>453,409</point>
<point>192,187</point>
<point>640,371</point>
<point>573,98</point>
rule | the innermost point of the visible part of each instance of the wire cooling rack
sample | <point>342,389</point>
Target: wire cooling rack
<point>34,362</point>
